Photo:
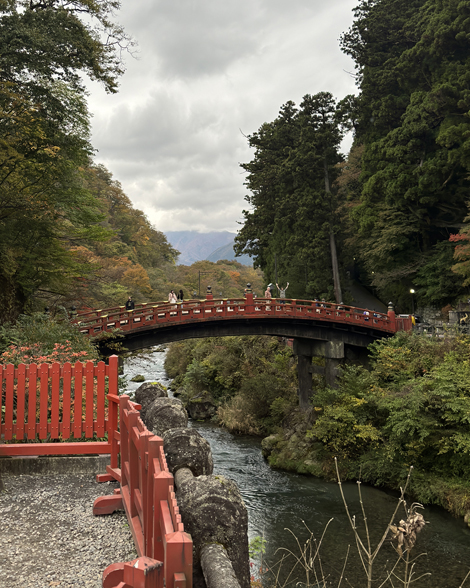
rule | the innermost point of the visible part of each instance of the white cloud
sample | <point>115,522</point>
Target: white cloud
<point>207,72</point>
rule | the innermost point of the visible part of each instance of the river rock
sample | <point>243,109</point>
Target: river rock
<point>187,448</point>
<point>212,511</point>
<point>201,407</point>
<point>268,444</point>
<point>138,378</point>
<point>163,414</point>
<point>147,393</point>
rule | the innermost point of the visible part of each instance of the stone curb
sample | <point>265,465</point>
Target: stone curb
<point>89,464</point>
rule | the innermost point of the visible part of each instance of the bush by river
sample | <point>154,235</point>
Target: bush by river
<point>411,407</point>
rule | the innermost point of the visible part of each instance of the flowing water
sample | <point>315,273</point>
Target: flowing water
<point>281,504</point>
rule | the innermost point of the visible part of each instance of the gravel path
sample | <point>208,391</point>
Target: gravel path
<point>49,536</point>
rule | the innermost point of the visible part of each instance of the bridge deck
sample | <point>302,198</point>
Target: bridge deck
<point>154,315</point>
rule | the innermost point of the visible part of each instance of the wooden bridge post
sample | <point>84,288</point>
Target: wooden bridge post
<point>249,306</point>
<point>304,373</point>
<point>392,316</point>
<point>306,349</point>
<point>303,350</point>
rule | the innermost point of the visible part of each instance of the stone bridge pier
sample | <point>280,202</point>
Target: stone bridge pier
<point>335,353</point>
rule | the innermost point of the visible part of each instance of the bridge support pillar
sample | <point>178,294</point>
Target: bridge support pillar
<point>305,349</point>
<point>304,373</point>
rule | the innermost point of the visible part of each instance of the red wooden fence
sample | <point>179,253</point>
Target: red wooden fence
<point>147,495</point>
<point>47,403</point>
<point>40,404</point>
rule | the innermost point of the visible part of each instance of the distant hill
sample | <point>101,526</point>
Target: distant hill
<point>194,246</point>
<point>227,252</point>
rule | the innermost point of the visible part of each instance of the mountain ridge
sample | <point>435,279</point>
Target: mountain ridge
<point>212,246</point>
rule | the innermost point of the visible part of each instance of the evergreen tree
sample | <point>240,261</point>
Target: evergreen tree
<point>291,229</point>
<point>413,63</point>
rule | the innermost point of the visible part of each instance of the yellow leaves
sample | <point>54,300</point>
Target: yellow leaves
<point>136,278</point>
<point>52,151</point>
<point>234,275</point>
<point>84,255</point>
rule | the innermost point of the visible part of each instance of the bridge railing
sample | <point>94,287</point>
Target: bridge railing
<point>43,406</point>
<point>204,310</point>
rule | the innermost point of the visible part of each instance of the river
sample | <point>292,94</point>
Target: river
<point>281,505</point>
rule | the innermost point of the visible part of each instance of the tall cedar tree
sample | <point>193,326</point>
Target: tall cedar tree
<point>291,229</point>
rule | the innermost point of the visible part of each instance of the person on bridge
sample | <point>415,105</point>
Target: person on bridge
<point>130,304</point>
<point>268,294</point>
<point>180,297</point>
<point>282,292</point>
<point>172,297</point>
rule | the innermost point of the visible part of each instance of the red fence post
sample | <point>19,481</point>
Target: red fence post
<point>20,402</point>
<point>55,400</point>
<point>32,401</point>
<point>150,504</point>
<point>78,395</point>
<point>162,483</point>
<point>178,548</point>
<point>249,306</point>
<point>42,397</point>
<point>145,495</point>
<point>113,399</point>
<point>9,397</point>
<point>89,398</point>
<point>100,399</point>
<point>66,400</point>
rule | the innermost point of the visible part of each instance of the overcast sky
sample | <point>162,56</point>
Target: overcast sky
<point>207,72</point>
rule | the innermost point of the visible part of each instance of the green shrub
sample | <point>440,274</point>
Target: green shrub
<point>43,338</point>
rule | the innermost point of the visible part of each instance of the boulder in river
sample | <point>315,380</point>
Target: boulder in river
<point>201,407</point>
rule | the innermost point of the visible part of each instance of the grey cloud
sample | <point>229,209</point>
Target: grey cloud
<point>208,71</point>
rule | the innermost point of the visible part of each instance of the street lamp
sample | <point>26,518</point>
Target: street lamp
<point>412,301</point>
<point>202,274</point>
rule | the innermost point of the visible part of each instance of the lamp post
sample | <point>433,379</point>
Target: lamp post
<point>412,301</point>
<point>202,273</point>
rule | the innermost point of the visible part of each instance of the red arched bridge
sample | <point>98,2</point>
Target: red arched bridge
<point>334,331</point>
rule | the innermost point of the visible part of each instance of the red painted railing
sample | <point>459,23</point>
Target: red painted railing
<point>151,315</point>
<point>53,402</point>
<point>147,495</point>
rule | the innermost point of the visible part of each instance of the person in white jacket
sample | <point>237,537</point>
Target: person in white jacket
<point>172,297</point>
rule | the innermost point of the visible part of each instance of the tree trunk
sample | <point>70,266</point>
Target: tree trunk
<point>12,300</point>
<point>334,255</point>
<point>334,263</point>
